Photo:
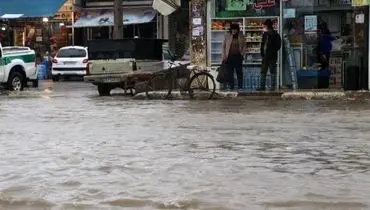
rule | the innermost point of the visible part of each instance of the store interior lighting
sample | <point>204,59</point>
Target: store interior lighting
<point>45,19</point>
<point>3,28</point>
<point>61,24</point>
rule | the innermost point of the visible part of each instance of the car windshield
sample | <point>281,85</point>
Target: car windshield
<point>71,53</point>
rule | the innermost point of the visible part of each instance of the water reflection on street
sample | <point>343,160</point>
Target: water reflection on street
<point>67,148</point>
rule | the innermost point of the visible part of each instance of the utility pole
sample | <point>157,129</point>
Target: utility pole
<point>118,20</point>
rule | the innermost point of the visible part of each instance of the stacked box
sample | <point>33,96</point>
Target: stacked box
<point>336,67</point>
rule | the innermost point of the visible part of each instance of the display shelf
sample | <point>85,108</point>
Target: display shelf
<point>223,25</point>
<point>219,30</point>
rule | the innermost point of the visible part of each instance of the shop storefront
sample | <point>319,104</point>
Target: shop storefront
<point>311,26</point>
<point>98,23</point>
<point>303,23</point>
<point>40,27</point>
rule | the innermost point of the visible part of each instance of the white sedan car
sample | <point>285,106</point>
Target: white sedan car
<point>70,61</point>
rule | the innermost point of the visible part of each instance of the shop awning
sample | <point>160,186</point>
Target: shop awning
<point>29,8</point>
<point>105,17</point>
<point>11,16</point>
<point>166,7</point>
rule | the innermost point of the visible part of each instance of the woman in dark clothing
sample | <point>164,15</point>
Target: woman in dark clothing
<point>233,54</point>
<point>324,46</point>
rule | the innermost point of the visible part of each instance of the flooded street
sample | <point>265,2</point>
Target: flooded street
<point>70,149</point>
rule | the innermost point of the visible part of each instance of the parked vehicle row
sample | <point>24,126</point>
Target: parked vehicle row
<point>111,63</point>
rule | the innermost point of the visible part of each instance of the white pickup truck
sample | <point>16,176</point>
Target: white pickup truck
<point>17,67</point>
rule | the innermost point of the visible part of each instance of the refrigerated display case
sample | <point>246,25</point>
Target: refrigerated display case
<point>219,28</point>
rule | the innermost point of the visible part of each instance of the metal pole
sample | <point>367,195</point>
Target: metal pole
<point>279,74</point>
<point>9,34</point>
<point>73,28</point>
<point>118,20</point>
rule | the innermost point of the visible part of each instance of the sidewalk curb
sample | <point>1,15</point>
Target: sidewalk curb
<point>294,95</point>
<point>313,95</point>
<point>327,95</point>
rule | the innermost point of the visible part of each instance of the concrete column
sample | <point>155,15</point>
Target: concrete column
<point>198,44</point>
<point>162,27</point>
<point>159,26</point>
<point>172,26</point>
<point>118,20</point>
<point>165,27</point>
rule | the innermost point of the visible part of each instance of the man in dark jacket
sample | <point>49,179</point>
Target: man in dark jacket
<point>270,46</point>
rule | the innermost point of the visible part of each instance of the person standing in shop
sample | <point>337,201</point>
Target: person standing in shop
<point>233,55</point>
<point>270,46</point>
<point>324,46</point>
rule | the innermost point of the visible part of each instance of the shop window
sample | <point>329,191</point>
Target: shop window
<point>129,31</point>
<point>323,34</point>
<point>100,32</point>
<point>146,30</point>
<point>326,35</point>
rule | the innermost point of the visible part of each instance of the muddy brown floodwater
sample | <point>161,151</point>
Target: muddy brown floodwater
<point>69,149</point>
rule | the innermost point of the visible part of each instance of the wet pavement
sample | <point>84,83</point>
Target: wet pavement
<point>67,148</point>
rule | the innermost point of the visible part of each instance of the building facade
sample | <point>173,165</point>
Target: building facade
<point>95,20</point>
<point>38,26</point>
<point>140,20</point>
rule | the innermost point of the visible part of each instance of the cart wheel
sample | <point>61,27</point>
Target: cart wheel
<point>183,85</point>
<point>202,85</point>
<point>158,82</point>
<point>177,84</point>
<point>132,91</point>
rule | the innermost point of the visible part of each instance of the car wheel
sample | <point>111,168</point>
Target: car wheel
<point>16,82</point>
